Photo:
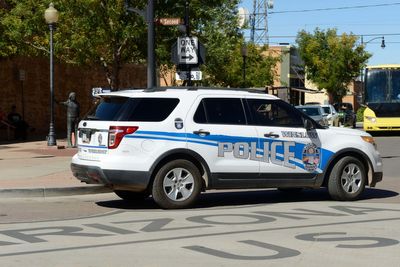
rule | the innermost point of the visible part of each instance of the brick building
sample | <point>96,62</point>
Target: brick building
<point>24,82</point>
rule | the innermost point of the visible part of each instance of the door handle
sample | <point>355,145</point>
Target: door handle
<point>271,134</point>
<point>201,133</point>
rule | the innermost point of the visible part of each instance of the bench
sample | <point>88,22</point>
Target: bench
<point>8,127</point>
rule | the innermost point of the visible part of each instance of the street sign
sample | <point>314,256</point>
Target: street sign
<point>169,21</point>
<point>196,75</point>
<point>187,50</point>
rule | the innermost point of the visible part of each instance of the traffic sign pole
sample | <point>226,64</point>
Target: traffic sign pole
<point>187,23</point>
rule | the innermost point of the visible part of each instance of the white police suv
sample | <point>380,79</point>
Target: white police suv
<point>174,143</point>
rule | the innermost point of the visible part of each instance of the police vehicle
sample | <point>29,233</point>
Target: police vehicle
<point>175,143</point>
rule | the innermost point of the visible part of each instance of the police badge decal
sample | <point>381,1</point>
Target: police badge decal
<point>311,157</point>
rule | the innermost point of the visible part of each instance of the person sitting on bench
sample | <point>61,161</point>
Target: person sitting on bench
<point>16,120</point>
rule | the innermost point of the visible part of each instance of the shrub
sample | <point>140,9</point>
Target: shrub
<point>360,114</point>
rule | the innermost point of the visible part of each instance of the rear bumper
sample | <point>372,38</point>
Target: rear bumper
<point>116,179</point>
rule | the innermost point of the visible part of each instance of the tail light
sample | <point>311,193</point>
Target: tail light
<point>116,133</point>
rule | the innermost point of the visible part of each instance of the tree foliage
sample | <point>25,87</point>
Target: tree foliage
<point>102,33</point>
<point>331,61</point>
<point>259,67</point>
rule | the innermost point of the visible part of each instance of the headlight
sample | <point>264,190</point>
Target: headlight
<point>371,119</point>
<point>369,139</point>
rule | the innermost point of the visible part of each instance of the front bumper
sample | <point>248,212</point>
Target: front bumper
<point>376,177</point>
<point>116,179</point>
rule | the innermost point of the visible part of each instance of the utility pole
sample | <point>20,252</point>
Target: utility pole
<point>259,21</point>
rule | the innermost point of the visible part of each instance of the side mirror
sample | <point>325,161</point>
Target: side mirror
<point>308,124</point>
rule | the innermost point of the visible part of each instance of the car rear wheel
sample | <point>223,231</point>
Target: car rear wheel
<point>177,185</point>
<point>131,196</point>
<point>347,179</point>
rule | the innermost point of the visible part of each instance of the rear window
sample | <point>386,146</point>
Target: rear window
<point>132,109</point>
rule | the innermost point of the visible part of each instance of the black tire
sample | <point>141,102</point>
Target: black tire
<point>347,179</point>
<point>130,196</point>
<point>177,185</point>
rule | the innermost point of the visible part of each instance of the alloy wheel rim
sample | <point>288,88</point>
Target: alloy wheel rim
<point>178,184</point>
<point>351,178</point>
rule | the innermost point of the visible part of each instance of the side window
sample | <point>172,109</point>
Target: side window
<point>200,115</point>
<point>220,111</point>
<point>274,113</point>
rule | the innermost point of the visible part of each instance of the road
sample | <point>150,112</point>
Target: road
<point>226,228</point>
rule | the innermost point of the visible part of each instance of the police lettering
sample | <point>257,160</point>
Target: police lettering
<point>244,150</point>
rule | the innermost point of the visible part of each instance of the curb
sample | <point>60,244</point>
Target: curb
<point>53,191</point>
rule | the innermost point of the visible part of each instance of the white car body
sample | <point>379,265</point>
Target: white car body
<point>332,115</point>
<point>243,153</point>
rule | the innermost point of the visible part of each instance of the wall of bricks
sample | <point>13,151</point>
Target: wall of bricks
<point>24,82</point>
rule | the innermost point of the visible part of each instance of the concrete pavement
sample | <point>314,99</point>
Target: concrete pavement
<point>32,169</point>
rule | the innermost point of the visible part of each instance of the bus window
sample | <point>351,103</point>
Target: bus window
<point>376,86</point>
<point>395,96</point>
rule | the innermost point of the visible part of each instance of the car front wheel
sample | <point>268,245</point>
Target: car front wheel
<point>347,179</point>
<point>177,185</point>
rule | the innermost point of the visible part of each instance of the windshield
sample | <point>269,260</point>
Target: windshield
<point>327,110</point>
<point>382,85</point>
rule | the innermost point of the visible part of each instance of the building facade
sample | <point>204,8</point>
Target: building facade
<point>24,82</point>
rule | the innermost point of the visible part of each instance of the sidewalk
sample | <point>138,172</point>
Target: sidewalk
<point>32,169</point>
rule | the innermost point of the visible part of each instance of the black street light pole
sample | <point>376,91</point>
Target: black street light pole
<point>151,61</point>
<point>51,17</point>
<point>244,55</point>
<point>383,45</point>
<point>148,15</point>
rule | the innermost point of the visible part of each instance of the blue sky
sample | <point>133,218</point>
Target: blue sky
<point>370,22</point>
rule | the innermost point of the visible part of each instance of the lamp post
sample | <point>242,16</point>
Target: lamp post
<point>51,17</point>
<point>383,45</point>
<point>148,15</point>
<point>244,52</point>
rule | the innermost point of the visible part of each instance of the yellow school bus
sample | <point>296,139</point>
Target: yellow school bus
<point>382,98</point>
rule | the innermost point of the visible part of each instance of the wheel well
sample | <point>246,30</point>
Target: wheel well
<point>354,154</point>
<point>185,156</point>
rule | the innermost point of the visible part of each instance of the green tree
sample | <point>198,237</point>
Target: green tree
<point>89,32</point>
<point>229,71</point>
<point>331,61</point>
<point>102,33</point>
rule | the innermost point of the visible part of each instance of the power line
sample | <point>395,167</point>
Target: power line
<point>333,8</point>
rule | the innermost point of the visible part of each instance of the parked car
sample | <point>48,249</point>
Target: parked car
<point>347,116</point>
<point>174,143</point>
<point>315,112</point>
<point>333,116</point>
